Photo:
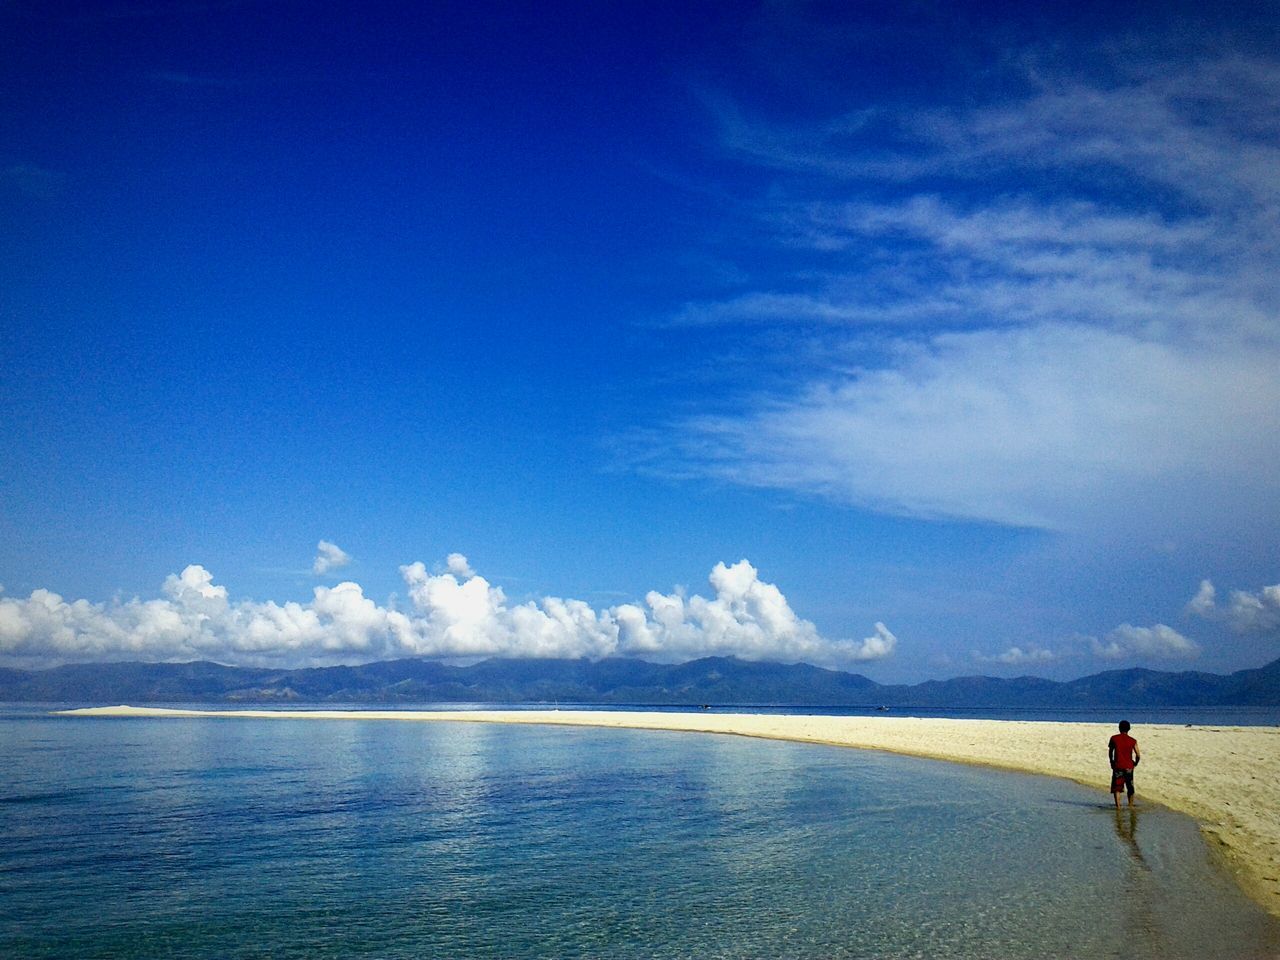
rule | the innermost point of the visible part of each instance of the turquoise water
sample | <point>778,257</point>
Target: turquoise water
<point>240,838</point>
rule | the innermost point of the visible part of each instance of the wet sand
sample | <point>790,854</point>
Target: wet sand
<point>1228,778</point>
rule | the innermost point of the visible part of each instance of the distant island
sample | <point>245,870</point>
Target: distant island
<point>717,681</point>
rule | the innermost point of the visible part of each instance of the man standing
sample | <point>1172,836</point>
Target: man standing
<point>1122,749</point>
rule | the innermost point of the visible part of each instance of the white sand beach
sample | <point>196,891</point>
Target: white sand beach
<point>1228,778</point>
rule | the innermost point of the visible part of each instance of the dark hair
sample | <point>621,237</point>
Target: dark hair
<point>1124,726</point>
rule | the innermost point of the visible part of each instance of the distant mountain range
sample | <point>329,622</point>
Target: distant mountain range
<point>720,681</point>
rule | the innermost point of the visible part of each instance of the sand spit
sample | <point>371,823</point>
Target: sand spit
<point>1228,778</point>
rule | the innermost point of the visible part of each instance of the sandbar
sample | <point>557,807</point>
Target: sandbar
<point>1227,778</point>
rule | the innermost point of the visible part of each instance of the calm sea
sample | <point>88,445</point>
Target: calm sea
<point>214,838</point>
<point>1201,716</point>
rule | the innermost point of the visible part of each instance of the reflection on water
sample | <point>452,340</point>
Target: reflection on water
<point>1139,903</point>
<point>216,838</point>
<point>1127,831</point>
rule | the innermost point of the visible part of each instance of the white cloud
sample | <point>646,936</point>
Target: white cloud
<point>1018,656</point>
<point>329,556</point>
<point>1039,427</point>
<point>1125,642</point>
<point>1085,328</point>
<point>1246,611</point>
<point>879,644</point>
<point>1205,126</point>
<point>1158,642</point>
<point>1205,599</point>
<point>1255,612</point>
<point>454,614</point>
<point>457,564</point>
<point>748,617</point>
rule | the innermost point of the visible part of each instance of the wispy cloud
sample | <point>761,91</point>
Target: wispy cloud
<point>1201,127</point>
<point>1049,426</point>
<point>457,613</point>
<point>1071,297</point>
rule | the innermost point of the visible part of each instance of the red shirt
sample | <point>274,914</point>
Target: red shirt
<point>1123,745</point>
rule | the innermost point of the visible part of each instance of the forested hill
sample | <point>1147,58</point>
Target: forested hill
<point>712,680</point>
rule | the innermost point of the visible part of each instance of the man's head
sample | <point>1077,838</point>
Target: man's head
<point>1124,726</point>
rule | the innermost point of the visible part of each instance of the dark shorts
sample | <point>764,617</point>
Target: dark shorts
<point>1122,780</point>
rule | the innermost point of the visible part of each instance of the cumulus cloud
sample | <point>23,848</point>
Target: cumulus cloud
<point>1245,611</point>
<point>329,556</point>
<point>879,644</point>
<point>457,613</point>
<point>1125,642</point>
<point>747,617</point>
<point>457,564</point>
<point>1205,600</point>
<point>1158,642</point>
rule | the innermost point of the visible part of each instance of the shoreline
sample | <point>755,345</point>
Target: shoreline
<point>1226,778</point>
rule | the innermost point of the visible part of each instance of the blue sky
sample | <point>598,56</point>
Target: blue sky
<point>347,331</point>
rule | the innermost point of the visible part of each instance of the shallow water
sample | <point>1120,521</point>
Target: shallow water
<point>240,838</point>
